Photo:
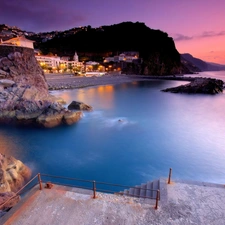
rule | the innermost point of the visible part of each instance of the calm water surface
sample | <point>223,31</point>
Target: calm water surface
<point>158,131</point>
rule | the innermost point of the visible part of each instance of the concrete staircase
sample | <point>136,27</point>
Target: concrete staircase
<point>148,190</point>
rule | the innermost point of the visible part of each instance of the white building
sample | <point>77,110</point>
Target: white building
<point>126,57</point>
<point>56,63</point>
<point>91,63</point>
<point>75,57</point>
<point>19,41</point>
<point>49,61</point>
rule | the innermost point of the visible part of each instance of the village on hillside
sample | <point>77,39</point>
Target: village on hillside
<point>65,64</point>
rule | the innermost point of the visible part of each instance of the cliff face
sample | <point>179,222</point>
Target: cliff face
<point>24,96</point>
<point>20,65</point>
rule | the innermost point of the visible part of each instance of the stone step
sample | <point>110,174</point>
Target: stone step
<point>131,191</point>
<point>148,191</point>
<point>155,187</point>
<point>137,191</point>
<point>143,190</point>
<point>125,192</point>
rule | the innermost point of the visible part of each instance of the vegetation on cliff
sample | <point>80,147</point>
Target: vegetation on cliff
<point>156,49</point>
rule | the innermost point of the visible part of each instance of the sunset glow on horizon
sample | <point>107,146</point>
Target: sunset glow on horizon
<point>197,27</point>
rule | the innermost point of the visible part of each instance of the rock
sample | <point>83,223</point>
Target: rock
<point>57,99</point>
<point>3,73</point>
<point>50,121</point>
<point>13,174</point>
<point>199,85</point>
<point>72,117</point>
<point>24,95</point>
<point>12,202</point>
<point>79,106</point>
<point>7,116</point>
<point>6,62</point>
<point>27,116</point>
<point>6,83</point>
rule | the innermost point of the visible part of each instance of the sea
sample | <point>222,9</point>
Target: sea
<point>134,134</point>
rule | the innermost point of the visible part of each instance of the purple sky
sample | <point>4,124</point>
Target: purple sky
<point>197,26</point>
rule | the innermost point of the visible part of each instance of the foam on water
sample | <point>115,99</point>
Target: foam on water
<point>118,122</point>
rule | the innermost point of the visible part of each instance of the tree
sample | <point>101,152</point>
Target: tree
<point>44,66</point>
<point>70,67</point>
<point>50,69</point>
<point>58,68</point>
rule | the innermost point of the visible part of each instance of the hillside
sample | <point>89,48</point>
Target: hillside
<point>156,49</point>
<point>198,65</point>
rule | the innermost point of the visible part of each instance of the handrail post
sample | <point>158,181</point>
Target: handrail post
<point>157,199</point>
<point>39,180</point>
<point>170,174</point>
<point>94,189</point>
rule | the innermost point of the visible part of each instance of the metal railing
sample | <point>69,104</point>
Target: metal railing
<point>170,175</point>
<point>20,190</point>
<point>93,185</point>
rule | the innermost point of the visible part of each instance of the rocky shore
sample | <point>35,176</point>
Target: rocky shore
<point>199,85</point>
<point>25,97</point>
<point>196,85</point>
<point>24,94</point>
<point>68,81</point>
<point>13,175</point>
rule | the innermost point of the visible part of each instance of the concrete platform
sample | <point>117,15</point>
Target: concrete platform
<point>181,202</point>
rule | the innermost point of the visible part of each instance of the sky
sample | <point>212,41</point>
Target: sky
<point>197,26</point>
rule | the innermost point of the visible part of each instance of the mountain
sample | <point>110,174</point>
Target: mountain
<point>215,66</point>
<point>157,51</point>
<point>198,65</point>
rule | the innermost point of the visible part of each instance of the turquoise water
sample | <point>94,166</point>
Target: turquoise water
<point>157,131</point>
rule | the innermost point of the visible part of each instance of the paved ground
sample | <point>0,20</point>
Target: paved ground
<point>181,203</point>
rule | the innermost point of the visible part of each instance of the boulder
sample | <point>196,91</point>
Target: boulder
<point>74,105</point>
<point>50,121</point>
<point>199,85</point>
<point>72,117</point>
<point>13,175</point>
<point>24,95</point>
<point>56,99</point>
<point>6,83</point>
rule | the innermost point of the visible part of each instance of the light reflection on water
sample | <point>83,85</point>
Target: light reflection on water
<point>157,131</point>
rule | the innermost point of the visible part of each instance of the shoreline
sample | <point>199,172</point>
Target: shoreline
<point>68,81</point>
